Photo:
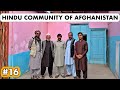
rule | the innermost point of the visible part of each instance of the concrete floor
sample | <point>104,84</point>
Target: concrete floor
<point>94,72</point>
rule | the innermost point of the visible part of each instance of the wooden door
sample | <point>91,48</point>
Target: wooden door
<point>98,46</point>
<point>4,35</point>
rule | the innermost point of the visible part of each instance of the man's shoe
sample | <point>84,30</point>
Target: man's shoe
<point>75,77</point>
<point>68,75</point>
<point>78,77</point>
<point>63,76</point>
<point>43,77</point>
<point>57,76</point>
<point>50,76</point>
<point>33,77</point>
<point>38,77</point>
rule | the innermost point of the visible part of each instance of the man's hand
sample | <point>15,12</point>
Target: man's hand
<point>79,56</point>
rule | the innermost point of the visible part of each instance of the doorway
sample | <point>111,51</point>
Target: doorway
<point>98,46</point>
<point>84,28</point>
<point>85,37</point>
<point>96,39</point>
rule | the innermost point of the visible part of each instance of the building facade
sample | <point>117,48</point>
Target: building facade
<point>103,41</point>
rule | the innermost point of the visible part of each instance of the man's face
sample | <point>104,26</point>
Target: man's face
<point>59,38</point>
<point>80,36</point>
<point>37,34</point>
<point>48,37</point>
<point>70,35</point>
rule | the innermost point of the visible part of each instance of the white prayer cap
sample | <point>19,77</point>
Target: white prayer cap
<point>47,34</point>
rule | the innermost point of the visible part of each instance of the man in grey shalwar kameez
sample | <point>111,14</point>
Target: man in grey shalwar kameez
<point>59,49</point>
<point>35,55</point>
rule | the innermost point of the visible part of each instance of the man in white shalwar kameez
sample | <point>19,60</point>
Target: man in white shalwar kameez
<point>69,54</point>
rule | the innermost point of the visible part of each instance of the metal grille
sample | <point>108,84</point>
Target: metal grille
<point>4,34</point>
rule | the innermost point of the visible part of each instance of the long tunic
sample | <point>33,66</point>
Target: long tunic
<point>47,60</point>
<point>35,62</point>
<point>59,49</point>
<point>68,60</point>
<point>81,47</point>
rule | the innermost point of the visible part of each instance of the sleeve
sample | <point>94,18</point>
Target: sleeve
<point>41,49</point>
<point>65,44</point>
<point>75,42</point>
<point>54,47</point>
<point>86,49</point>
<point>75,47</point>
<point>41,46</point>
<point>30,43</point>
<point>64,47</point>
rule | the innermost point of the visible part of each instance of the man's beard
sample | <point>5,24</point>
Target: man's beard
<point>48,39</point>
<point>70,38</point>
<point>37,39</point>
<point>59,39</point>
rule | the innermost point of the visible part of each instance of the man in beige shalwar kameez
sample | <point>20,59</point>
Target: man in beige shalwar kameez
<point>59,50</point>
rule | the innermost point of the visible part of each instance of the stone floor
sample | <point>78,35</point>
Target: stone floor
<point>94,72</point>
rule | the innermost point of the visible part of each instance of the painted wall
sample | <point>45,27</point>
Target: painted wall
<point>114,35</point>
<point>63,28</point>
<point>98,25</point>
<point>56,28</point>
<point>20,34</point>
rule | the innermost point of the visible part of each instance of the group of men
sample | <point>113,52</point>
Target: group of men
<point>70,55</point>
